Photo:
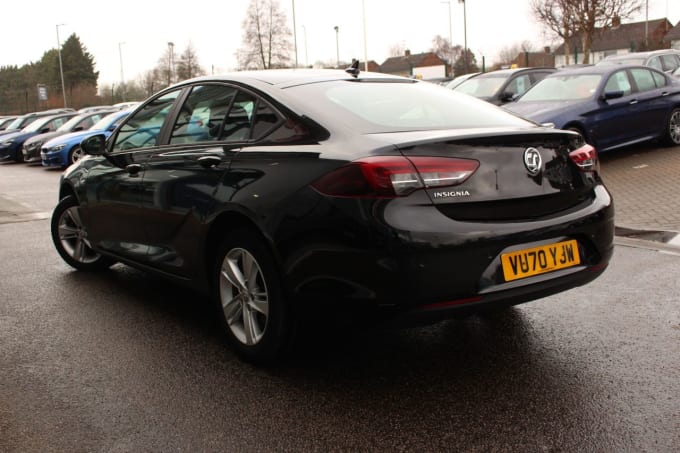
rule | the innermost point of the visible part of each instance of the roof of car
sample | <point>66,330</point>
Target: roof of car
<point>647,54</point>
<point>291,77</point>
<point>503,72</point>
<point>596,69</point>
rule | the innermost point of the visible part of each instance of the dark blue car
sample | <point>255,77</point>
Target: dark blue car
<point>610,105</point>
<point>62,151</point>
<point>11,144</point>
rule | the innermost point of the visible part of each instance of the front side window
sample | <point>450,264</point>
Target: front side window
<point>38,125</point>
<point>519,85</point>
<point>142,129</point>
<point>619,82</point>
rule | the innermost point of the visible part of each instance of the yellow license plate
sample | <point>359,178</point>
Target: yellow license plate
<point>539,260</point>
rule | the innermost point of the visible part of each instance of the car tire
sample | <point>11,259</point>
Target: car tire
<point>74,155</point>
<point>70,238</point>
<point>672,132</point>
<point>258,323</point>
<point>19,157</point>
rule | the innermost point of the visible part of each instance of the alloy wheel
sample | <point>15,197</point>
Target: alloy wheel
<point>73,237</point>
<point>674,127</point>
<point>244,296</point>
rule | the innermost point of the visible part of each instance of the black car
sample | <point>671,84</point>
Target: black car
<point>292,192</point>
<point>502,86</point>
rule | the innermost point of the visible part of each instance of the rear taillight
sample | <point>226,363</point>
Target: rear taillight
<point>585,158</point>
<point>393,176</point>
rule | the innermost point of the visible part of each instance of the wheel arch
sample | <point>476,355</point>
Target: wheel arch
<point>230,221</point>
<point>66,189</point>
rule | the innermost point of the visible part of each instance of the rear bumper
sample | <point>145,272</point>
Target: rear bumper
<point>418,263</point>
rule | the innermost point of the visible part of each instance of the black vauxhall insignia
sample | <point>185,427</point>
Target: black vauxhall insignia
<point>285,192</point>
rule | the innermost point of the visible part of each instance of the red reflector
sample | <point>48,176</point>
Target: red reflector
<point>452,303</point>
<point>586,158</point>
<point>392,176</point>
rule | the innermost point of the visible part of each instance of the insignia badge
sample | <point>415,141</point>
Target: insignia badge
<point>533,161</point>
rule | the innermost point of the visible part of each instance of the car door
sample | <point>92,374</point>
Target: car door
<point>112,202</point>
<point>181,180</point>
<point>614,121</point>
<point>653,104</point>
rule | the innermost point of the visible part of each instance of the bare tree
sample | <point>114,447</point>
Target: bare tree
<point>508,54</point>
<point>568,19</point>
<point>188,66</point>
<point>266,37</point>
<point>558,17</point>
<point>396,50</point>
<point>445,50</point>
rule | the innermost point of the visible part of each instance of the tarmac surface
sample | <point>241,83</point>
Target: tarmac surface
<point>122,361</point>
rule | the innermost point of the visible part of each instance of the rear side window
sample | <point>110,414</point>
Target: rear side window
<point>643,79</point>
<point>670,62</point>
<point>659,79</point>
<point>202,116</point>
<point>655,63</point>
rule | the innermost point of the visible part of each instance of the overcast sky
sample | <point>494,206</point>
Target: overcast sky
<point>140,30</point>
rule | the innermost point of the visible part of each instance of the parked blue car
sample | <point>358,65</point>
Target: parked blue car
<point>11,143</point>
<point>609,105</point>
<point>64,150</point>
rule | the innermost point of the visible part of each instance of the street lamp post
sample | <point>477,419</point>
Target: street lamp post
<point>304,31</point>
<point>295,36</point>
<point>171,57</point>
<point>363,10</point>
<point>337,45</point>
<point>122,77</point>
<point>465,46</point>
<point>451,62</point>
<point>61,66</point>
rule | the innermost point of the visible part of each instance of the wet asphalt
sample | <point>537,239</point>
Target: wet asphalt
<point>122,361</point>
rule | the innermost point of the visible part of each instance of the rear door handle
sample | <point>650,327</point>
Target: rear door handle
<point>209,161</point>
<point>133,169</point>
<point>634,101</point>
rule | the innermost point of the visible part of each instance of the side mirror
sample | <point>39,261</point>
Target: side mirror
<point>95,145</point>
<point>78,129</point>
<point>44,130</point>
<point>612,95</point>
<point>507,96</point>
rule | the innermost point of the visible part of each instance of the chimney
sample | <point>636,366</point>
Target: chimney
<point>616,22</point>
<point>546,49</point>
<point>407,53</point>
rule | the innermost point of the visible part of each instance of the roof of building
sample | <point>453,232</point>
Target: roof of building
<point>406,62</point>
<point>624,36</point>
<point>674,33</point>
